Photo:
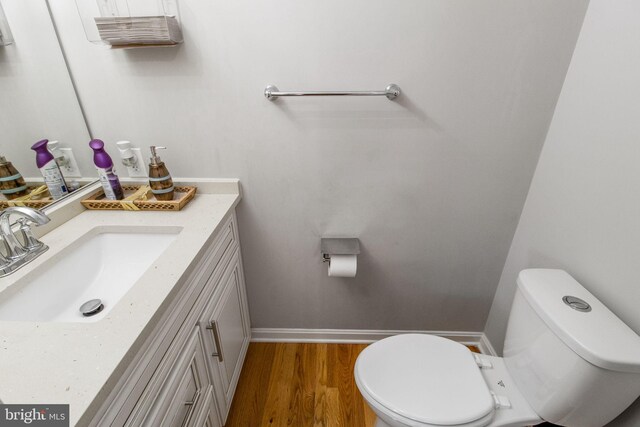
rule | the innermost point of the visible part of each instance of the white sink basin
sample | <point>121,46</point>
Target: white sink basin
<point>103,264</point>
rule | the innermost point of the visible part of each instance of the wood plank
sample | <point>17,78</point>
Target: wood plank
<point>320,401</point>
<point>277,405</point>
<point>307,409</point>
<point>345,382</point>
<point>296,392</point>
<point>251,393</point>
<point>333,415</point>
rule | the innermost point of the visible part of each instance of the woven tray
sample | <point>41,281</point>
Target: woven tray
<point>144,201</point>
<point>37,202</point>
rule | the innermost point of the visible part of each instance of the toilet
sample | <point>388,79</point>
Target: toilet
<point>567,360</point>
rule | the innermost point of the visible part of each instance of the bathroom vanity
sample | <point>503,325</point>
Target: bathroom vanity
<point>168,352</point>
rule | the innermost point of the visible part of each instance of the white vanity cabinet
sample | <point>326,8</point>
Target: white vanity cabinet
<point>186,372</point>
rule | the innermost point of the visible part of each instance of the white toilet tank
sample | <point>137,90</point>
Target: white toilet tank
<point>577,364</point>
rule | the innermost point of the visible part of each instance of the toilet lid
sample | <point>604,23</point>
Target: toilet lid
<point>425,378</point>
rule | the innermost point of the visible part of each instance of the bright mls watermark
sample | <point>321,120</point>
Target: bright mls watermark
<point>34,415</point>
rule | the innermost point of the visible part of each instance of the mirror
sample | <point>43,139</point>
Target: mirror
<point>38,99</point>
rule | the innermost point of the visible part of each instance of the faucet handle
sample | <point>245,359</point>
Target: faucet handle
<point>36,216</point>
<point>15,249</point>
<point>28,239</point>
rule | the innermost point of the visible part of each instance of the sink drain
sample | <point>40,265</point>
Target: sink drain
<point>91,307</point>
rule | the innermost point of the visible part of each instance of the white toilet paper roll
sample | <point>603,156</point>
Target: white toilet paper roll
<point>343,265</point>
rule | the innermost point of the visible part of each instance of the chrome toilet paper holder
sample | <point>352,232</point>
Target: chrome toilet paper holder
<point>338,246</point>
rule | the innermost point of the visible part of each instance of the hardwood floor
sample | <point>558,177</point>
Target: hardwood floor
<point>290,384</point>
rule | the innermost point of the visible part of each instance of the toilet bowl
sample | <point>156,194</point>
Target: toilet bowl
<point>568,360</point>
<point>426,380</point>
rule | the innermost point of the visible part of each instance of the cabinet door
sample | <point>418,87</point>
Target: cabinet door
<point>227,334</point>
<point>186,392</point>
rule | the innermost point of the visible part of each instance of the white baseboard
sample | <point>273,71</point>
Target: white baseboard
<point>485,346</point>
<point>358,336</point>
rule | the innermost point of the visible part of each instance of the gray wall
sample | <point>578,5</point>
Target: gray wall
<point>582,213</point>
<point>433,184</point>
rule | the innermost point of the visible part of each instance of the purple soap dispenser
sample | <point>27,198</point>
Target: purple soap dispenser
<point>104,165</point>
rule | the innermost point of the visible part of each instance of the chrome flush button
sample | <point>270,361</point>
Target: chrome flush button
<point>576,303</point>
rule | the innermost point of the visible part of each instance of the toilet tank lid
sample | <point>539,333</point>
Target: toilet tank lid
<point>598,335</point>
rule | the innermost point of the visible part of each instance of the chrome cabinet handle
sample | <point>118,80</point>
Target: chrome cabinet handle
<point>195,399</point>
<point>391,92</point>
<point>192,405</point>
<point>213,327</point>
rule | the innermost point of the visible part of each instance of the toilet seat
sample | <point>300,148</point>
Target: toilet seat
<point>394,419</point>
<point>425,380</point>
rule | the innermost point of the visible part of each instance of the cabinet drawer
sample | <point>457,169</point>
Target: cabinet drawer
<point>182,394</point>
<point>225,243</point>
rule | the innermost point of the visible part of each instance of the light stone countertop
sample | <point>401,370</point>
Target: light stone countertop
<point>77,363</point>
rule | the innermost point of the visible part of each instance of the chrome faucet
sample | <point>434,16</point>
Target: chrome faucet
<point>18,254</point>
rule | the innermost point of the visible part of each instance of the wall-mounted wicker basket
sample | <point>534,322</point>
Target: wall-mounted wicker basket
<point>139,198</point>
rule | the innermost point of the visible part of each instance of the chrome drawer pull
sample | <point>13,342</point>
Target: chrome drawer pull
<point>195,399</point>
<point>192,405</point>
<point>213,326</point>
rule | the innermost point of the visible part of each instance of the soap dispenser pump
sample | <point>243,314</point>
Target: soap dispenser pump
<point>159,178</point>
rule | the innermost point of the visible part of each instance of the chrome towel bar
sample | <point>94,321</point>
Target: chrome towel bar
<point>391,92</point>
